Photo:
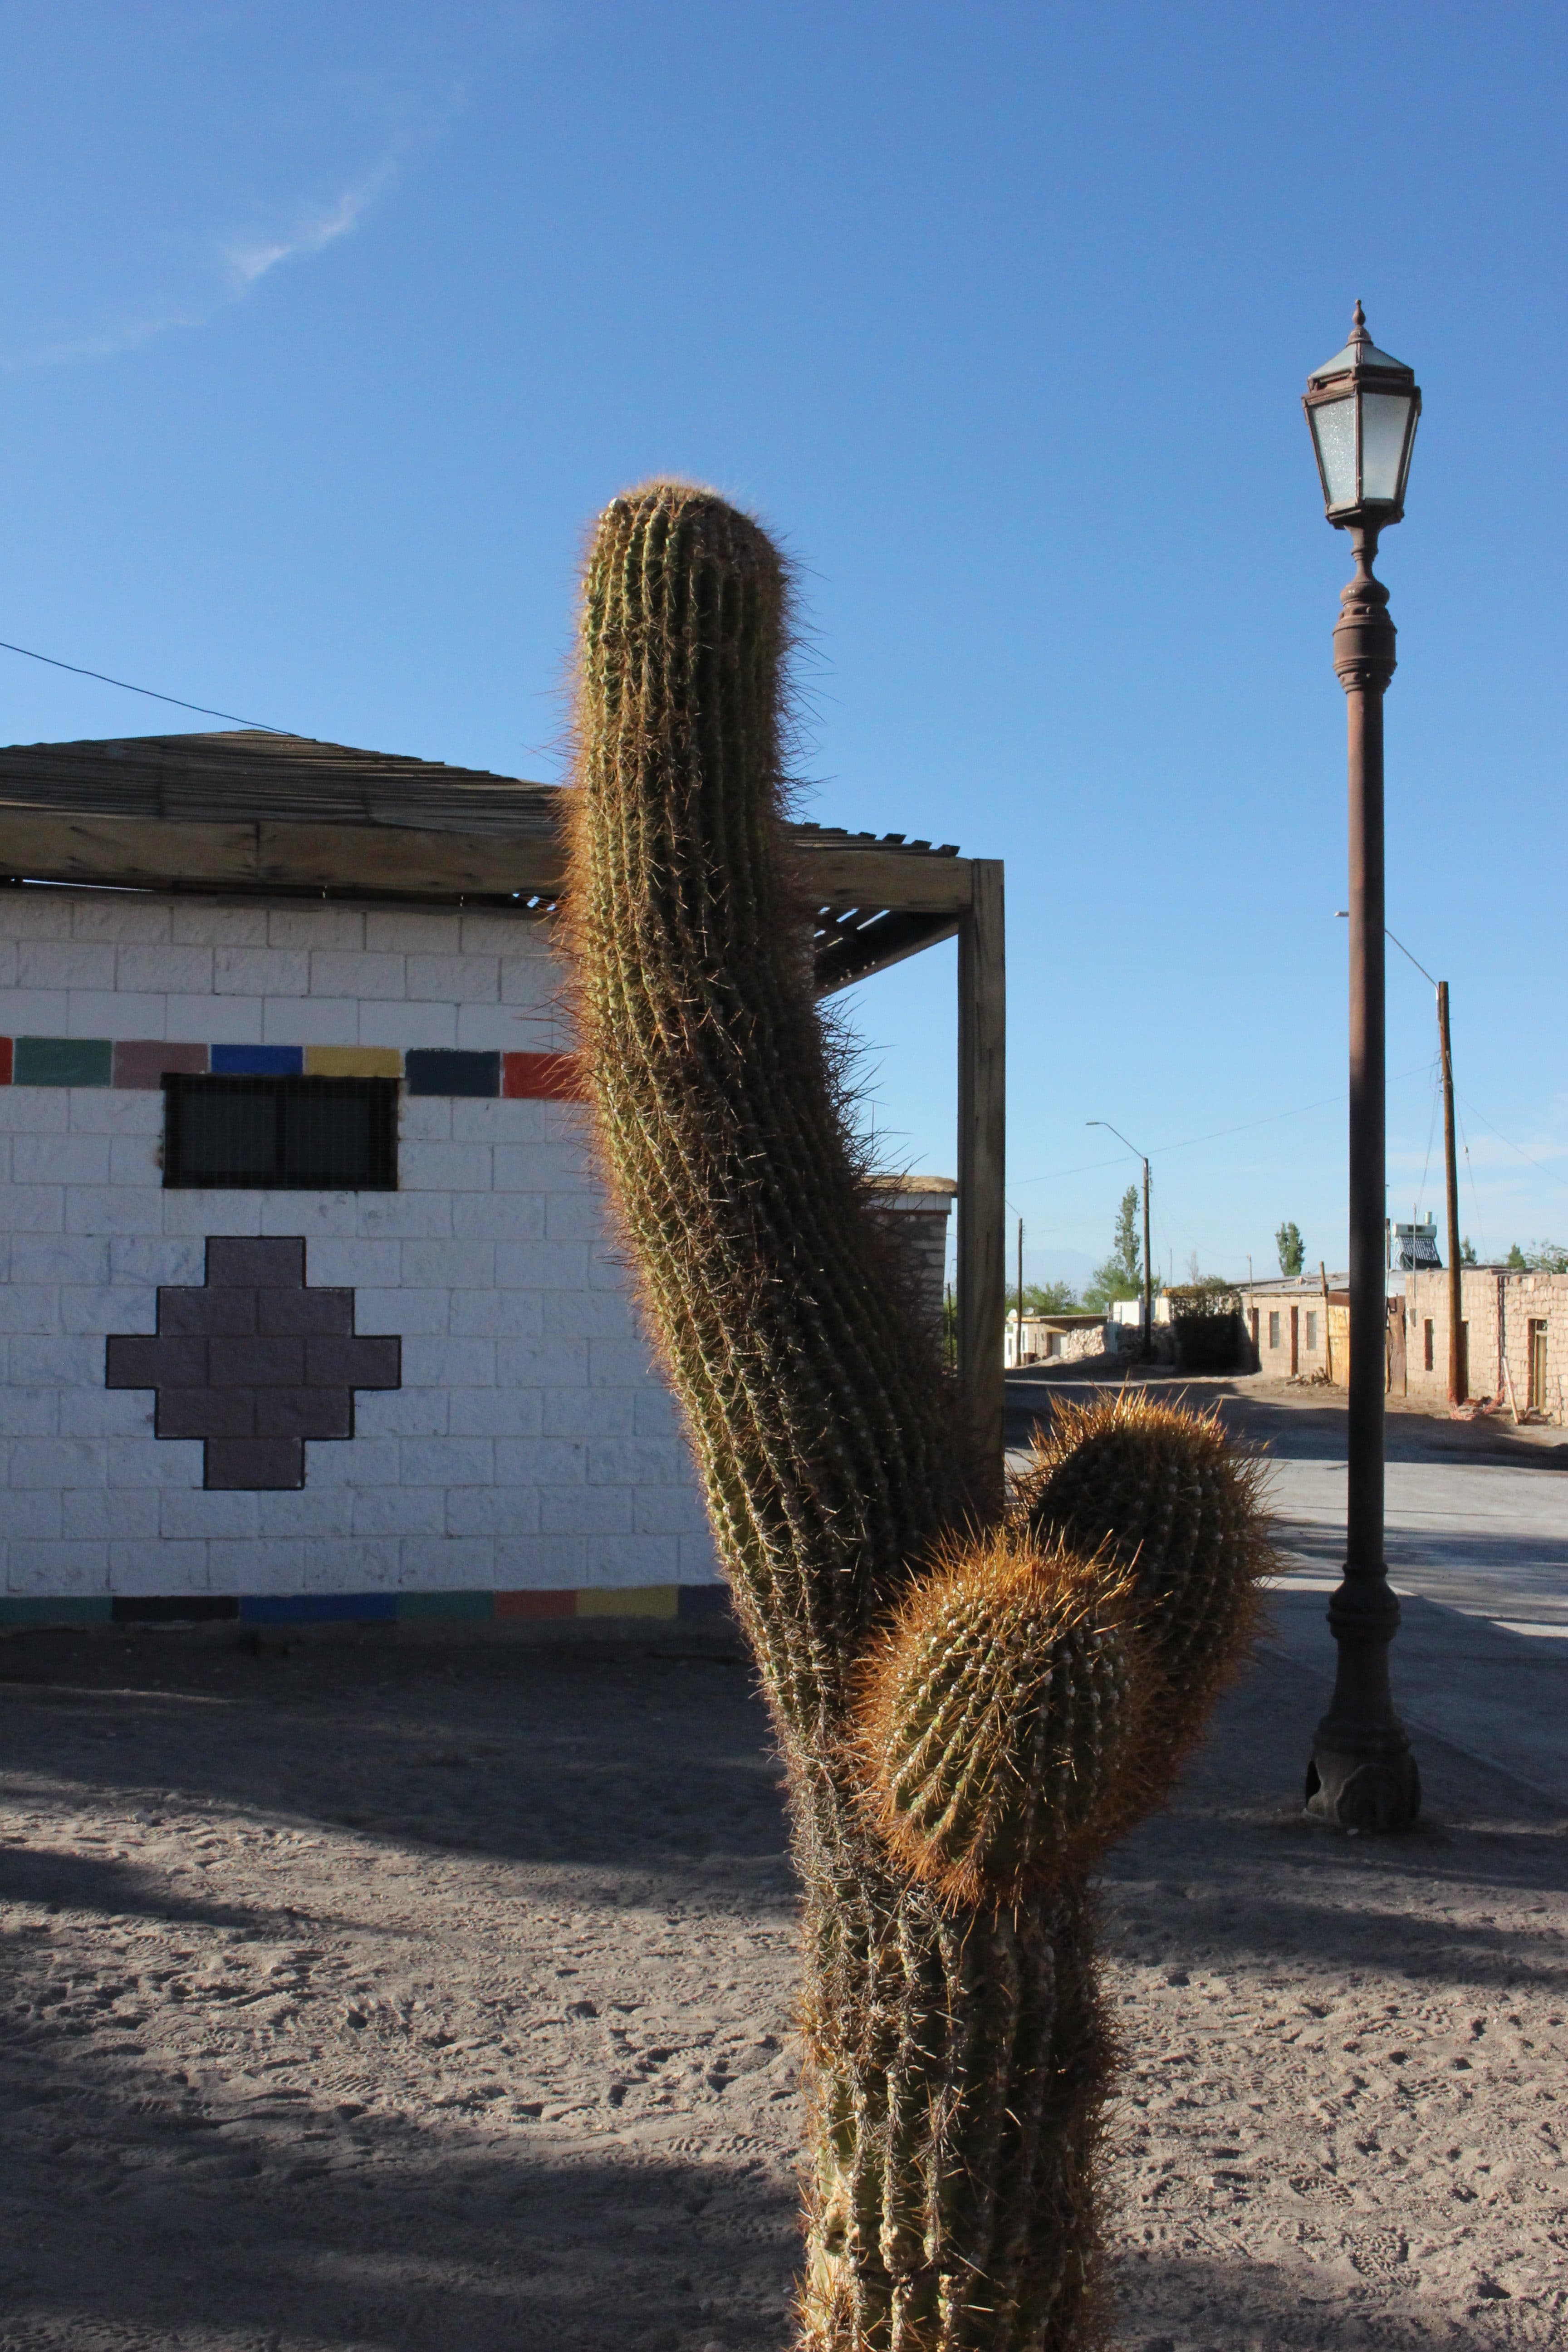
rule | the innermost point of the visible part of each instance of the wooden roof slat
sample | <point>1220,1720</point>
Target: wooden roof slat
<point>247,812</point>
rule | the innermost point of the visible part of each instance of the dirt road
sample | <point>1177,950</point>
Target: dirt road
<point>394,2001</point>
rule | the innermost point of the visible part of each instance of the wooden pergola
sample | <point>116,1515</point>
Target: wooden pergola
<point>278,816</point>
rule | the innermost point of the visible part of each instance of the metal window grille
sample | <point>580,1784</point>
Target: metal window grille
<point>291,1134</point>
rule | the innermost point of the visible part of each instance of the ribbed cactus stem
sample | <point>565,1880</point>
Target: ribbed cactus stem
<point>1158,1490</point>
<point>971,1690</point>
<point>997,1720</point>
<point>817,1413</point>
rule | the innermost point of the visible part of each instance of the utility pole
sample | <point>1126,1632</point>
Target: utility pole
<point>1018,1349</point>
<point>1148,1278</point>
<point>1457,1371</point>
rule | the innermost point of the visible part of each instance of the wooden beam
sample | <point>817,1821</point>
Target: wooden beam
<point>840,876</point>
<point>142,852</point>
<point>145,853</point>
<point>412,864</point>
<point>888,943</point>
<point>132,851</point>
<point>982,1164</point>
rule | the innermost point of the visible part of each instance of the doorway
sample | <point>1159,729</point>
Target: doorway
<point>1538,1365</point>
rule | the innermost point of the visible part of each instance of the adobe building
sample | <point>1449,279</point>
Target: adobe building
<point>1513,1337</point>
<point>1293,1332</point>
<point>311,1312</point>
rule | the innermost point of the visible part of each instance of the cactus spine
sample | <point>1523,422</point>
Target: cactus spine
<point>957,2057</point>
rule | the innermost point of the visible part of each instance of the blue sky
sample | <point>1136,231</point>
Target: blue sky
<point>324,331</point>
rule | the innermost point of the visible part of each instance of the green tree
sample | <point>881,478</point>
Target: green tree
<point>1467,1252</point>
<point>1516,1261</point>
<point>1121,1274</point>
<point>1546,1257</point>
<point>1292,1249</point>
<point>1049,1298</point>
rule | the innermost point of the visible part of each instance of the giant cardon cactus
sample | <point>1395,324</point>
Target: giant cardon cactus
<point>968,1707</point>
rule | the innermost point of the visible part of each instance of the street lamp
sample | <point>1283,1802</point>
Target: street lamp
<point>1148,1351</point>
<point>1362,407</point>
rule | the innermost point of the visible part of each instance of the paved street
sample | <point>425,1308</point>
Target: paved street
<point>1478,1551</point>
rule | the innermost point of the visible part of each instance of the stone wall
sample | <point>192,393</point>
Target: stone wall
<point>1499,1309</point>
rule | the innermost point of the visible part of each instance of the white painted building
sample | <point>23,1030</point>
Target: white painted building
<point>310,1307</point>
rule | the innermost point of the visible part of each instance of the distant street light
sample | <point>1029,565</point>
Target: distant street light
<point>1363,407</point>
<point>1148,1348</point>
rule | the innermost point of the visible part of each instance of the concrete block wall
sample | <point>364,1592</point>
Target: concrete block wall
<point>530,1447</point>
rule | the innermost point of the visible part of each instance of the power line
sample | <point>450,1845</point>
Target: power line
<point>1550,1173</point>
<point>204,709</point>
<point>1475,1196</point>
<point>1189,1142</point>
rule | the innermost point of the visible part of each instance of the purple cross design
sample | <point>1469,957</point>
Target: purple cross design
<point>253,1363</point>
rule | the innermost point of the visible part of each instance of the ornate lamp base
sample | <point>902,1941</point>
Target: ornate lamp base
<point>1364,1787</point>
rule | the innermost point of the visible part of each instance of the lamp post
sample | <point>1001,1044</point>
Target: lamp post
<point>1148,1347</point>
<point>1362,407</point>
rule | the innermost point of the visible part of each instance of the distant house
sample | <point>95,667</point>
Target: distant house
<point>1294,1332</point>
<point>1514,1335</point>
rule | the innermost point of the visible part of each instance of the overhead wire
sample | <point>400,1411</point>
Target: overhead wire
<point>1189,1142</point>
<point>1431,1124</point>
<point>1474,1195</point>
<point>1550,1173</point>
<point>204,709</point>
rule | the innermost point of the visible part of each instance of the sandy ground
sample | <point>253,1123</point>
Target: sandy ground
<point>393,1999</point>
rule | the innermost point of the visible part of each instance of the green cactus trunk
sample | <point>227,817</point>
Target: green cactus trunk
<point>956,2063</point>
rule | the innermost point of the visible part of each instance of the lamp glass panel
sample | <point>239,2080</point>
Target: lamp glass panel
<point>1333,429</point>
<point>1384,416</point>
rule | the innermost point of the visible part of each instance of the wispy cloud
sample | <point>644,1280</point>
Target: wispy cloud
<point>237,262</point>
<point>65,346</point>
<point>247,260</point>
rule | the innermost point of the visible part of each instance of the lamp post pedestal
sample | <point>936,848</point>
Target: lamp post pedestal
<point>1363,1775</point>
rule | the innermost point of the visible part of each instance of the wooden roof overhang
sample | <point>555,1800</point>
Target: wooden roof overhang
<point>281,815</point>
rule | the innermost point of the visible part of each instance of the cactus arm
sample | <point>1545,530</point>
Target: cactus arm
<point>997,1719</point>
<point>1162,1493</point>
<point>818,1415</point>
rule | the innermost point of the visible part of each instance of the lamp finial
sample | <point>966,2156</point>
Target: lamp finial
<point>1359,321</point>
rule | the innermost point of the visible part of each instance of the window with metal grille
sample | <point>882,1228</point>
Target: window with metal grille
<point>291,1135</point>
<point>1311,1331</point>
<point>1273,1329</point>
